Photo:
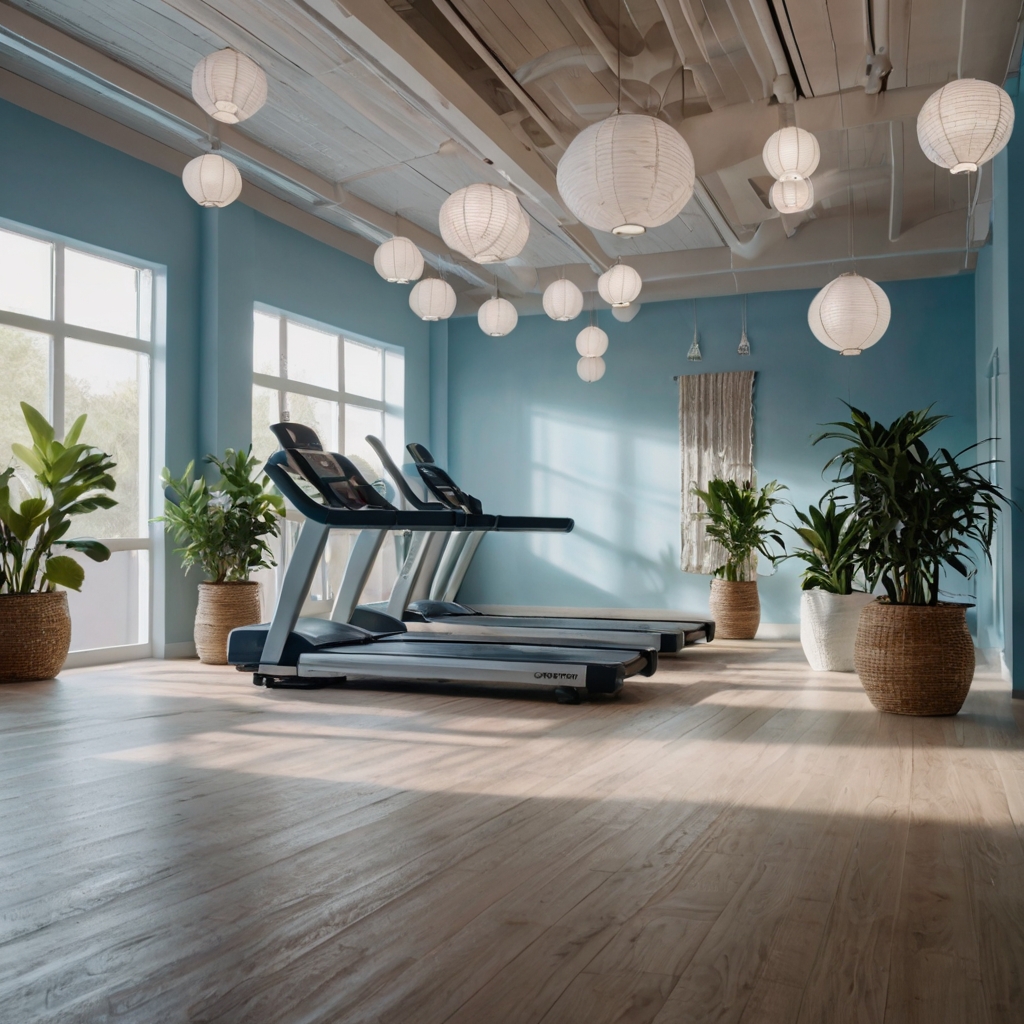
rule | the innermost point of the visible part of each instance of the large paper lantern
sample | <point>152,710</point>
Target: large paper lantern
<point>432,299</point>
<point>562,300</point>
<point>964,124</point>
<point>485,223</point>
<point>212,180</point>
<point>590,368</point>
<point>792,196</point>
<point>229,86</point>
<point>791,153</point>
<point>625,174</point>
<point>592,341</point>
<point>620,285</point>
<point>398,260</point>
<point>849,314</point>
<point>497,317</point>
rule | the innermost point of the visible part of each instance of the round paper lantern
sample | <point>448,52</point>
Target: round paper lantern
<point>849,314</point>
<point>485,223</point>
<point>229,86</point>
<point>965,124</point>
<point>497,317</point>
<point>624,314</point>
<point>398,261</point>
<point>590,368</point>
<point>592,341</point>
<point>562,300</point>
<point>620,285</point>
<point>432,299</point>
<point>625,174</point>
<point>792,196</point>
<point>791,153</point>
<point>212,180</point>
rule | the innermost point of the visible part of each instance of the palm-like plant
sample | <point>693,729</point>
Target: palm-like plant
<point>833,537</point>
<point>738,517</point>
<point>68,479</point>
<point>919,510</point>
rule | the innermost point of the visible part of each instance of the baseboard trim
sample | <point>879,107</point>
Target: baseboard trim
<point>778,631</point>
<point>182,649</point>
<point>108,655</point>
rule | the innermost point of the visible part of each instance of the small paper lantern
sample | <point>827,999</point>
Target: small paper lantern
<point>627,173</point>
<point>485,223</point>
<point>791,153</point>
<point>624,314</point>
<point>432,299</point>
<point>212,180</point>
<point>592,341</point>
<point>229,86</point>
<point>792,196</point>
<point>590,368</point>
<point>497,317</point>
<point>964,124</point>
<point>849,314</point>
<point>398,261</point>
<point>620,285</point>
<point>562,300</point>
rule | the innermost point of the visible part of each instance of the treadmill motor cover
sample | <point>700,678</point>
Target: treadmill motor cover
<point>245,644</point>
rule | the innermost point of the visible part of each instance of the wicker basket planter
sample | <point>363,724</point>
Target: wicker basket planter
<point>222,607</point>
<point>828,628</point>
<point>736,609</point>
<point>35,635</point>
<point>915,659</point>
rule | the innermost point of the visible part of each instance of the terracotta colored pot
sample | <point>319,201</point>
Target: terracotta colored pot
<point>915,659</point>
<point>222,608</point>
<point>736,609</point>
<point>35,635</point>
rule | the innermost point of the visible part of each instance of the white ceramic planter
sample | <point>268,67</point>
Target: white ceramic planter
<point>828,628</point>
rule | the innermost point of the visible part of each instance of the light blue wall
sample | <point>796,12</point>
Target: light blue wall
<point>527,436</point>
<point>217,264</point>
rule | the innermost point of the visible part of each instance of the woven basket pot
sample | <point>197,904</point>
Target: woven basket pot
<point>736,609</point>
<point>915,659</point>
<point>828,628</point>
<point>222,607</point>
<point>35,634</point>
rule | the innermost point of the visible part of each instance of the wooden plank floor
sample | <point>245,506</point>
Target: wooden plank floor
<point>735,839</point>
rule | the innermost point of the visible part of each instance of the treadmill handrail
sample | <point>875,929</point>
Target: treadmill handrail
<point>398,476</point>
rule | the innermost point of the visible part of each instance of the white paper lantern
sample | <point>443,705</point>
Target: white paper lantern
<point>562,300</point>
<point>229,86</point>
<point>590,368</point>
<point>592,341</point>
<point>398,261</point>
<point>624,314</point>
<point>627,173</point>
<point>849,314</point>
<point>792,196</point>
<point>620,285</point>
<point>212,180</point>
<point>497,317</point>
<point>485,223</point>
<point>791,153</point>
<point>432,299</point>
<point>965,124</point>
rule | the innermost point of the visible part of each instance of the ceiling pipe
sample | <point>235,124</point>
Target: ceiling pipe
<point>876,27</point>
<point>783,87</point>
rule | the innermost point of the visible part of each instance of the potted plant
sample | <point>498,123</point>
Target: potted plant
<point>739,517</point>
<point>224,530</point>
<point>920,511</point>
<point>829,605</point>
<point>68,478</point>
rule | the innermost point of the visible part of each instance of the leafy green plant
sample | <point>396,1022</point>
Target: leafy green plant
<point>738,517</point>
<point>920,510</point>
<point>833,536</point>
<point>69,478</point>
<point>224,529</point>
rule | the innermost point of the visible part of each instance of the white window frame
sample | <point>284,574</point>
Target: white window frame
<point>59,331</point>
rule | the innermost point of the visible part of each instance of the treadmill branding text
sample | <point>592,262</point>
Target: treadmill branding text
<point>556,675</point>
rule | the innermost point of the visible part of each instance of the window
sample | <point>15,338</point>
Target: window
<point>344,388</point>
<point>76,331</point>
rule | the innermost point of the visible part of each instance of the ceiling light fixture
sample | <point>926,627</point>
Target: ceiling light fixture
<point>792,196</point>
<point>849,314</point>
<point>497,317</point>
<point>484,223</point>
<point>212,180</point>
<point>229,86</point>
<point>590,368</point>
<point>398,260</point>
<point>592,342</point>
<point>562,300</point>
<point>791,154</point>
<point>964,124</point>
<point>620,285</point>
<point>432,299</point>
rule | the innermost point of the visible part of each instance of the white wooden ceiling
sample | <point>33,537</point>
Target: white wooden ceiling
<point>377,111</point>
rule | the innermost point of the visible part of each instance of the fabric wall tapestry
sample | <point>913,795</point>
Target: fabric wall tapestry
<point>716,439</point>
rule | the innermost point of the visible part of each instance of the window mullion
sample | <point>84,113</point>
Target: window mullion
<point>282,346</point>
<point>57,367</point>
<point>341,393</point>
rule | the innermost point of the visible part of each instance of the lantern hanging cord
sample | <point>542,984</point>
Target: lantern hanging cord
<point>960,49</point>
<point>618,60</point>
<point>846,132</point>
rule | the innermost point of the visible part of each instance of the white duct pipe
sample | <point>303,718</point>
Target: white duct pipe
<point>784,87</point>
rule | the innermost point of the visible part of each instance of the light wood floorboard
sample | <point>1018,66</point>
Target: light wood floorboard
<point>736,839</point>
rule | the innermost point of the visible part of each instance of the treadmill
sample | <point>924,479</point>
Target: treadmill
<point>446,556</point>
<point>292,651</point>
